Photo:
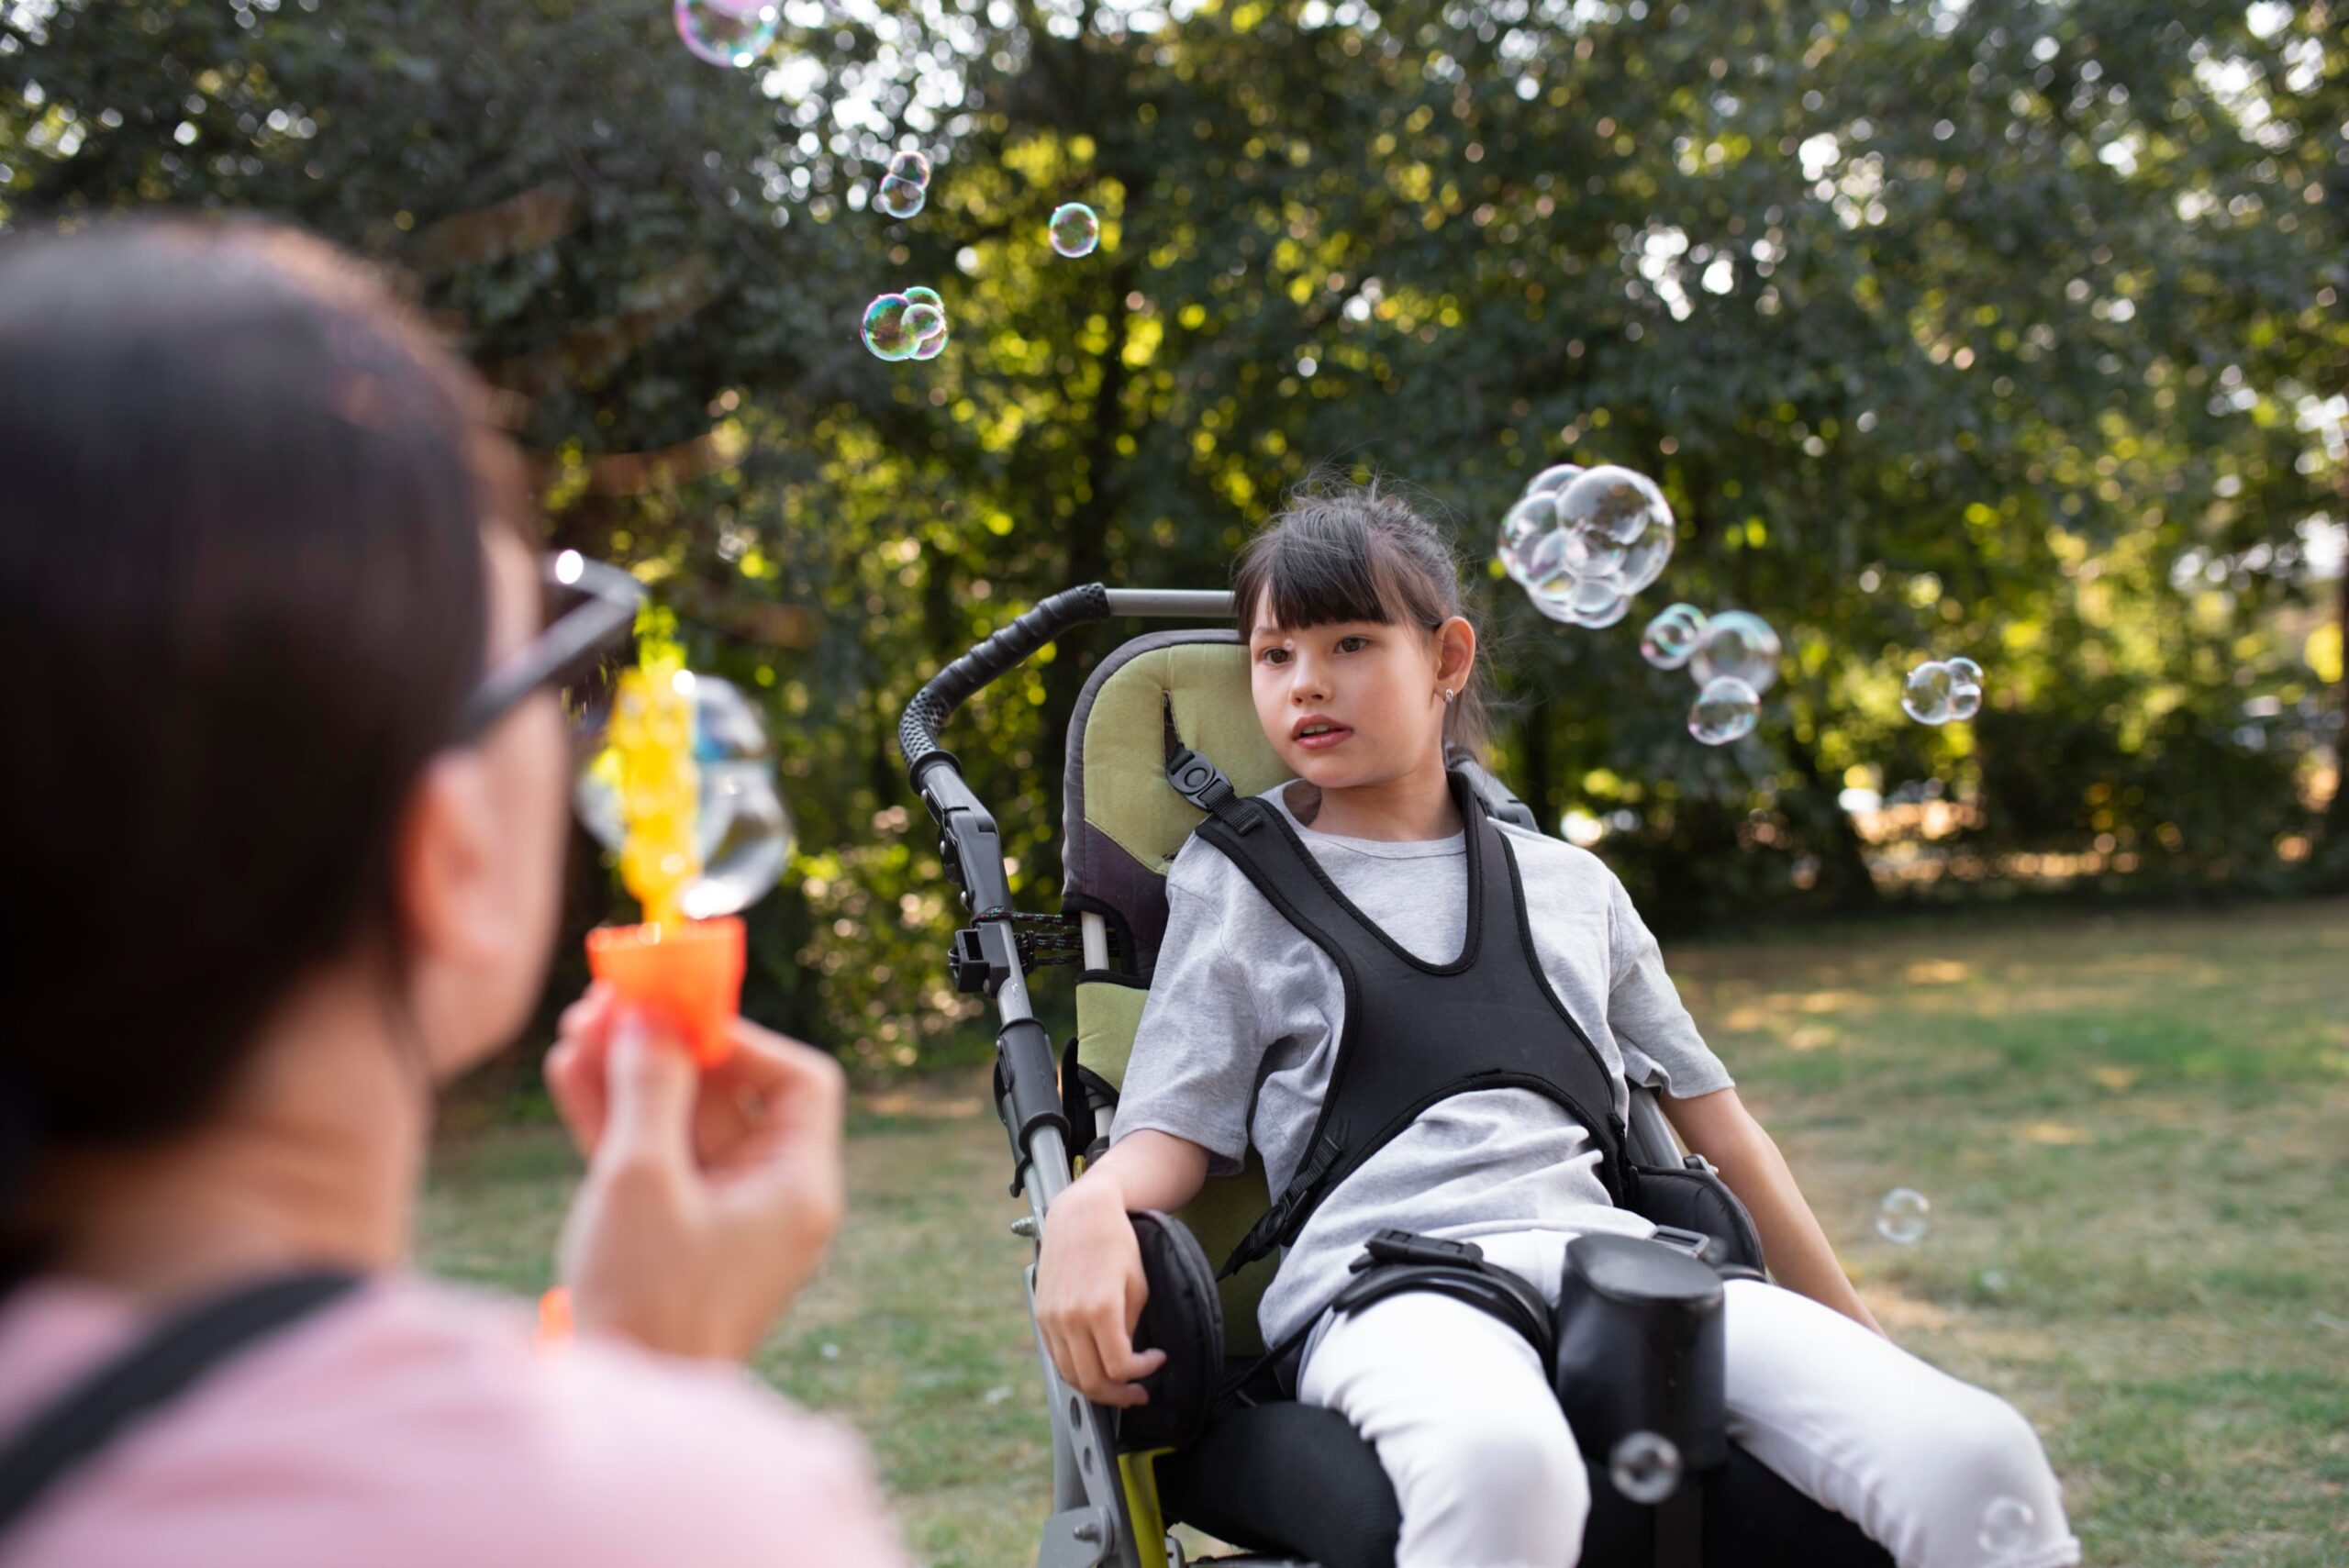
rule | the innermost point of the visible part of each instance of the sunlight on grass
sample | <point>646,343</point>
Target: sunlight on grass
<point>2130,1128</point>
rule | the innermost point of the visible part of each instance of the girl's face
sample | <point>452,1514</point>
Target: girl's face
<point>1356,703</point>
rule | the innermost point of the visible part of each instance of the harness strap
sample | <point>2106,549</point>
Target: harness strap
<point>1395,1262</point>
<point>73,1428</point>
<point>1392,1263</point>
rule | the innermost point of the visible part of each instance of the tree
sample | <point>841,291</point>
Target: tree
<point>1947,329</point>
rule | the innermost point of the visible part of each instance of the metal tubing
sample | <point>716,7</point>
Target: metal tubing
<point>1652,1136</point>
<point>1171,604</point>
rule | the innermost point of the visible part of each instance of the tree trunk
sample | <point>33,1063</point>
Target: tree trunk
<point>1533,740</point>
<point>2333,846</point>
<point>1087,560</point>
<point>1843,867</point>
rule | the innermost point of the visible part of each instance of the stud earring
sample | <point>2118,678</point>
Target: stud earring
<point>1447,694</point>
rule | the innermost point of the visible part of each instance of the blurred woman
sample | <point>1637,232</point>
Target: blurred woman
<point>283,791</point>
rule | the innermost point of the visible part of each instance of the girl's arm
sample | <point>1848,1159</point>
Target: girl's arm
<point>1718,1126</point>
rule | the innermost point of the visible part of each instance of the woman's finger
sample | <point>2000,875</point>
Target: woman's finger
<point>575,1077</point>
<point>800,1095</point>
<point>652,1082</point>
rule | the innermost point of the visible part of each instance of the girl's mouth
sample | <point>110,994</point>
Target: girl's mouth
<point>1321,736</point>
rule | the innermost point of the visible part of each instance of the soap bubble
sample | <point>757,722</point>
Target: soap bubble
<point>1925,696</point>
<point>900,199</point>
<point>741,828</point>
<point>885,327</point>
<point>912,167</point>
<point>1532,549</point>
<point>1554,478</point>
<point>922,321</point>
<point>1581,541</point>
<point>1592,602</point>
<point>1621,521</point>
<point>1646,1467</point>
<point>1904,1216</point>
<point>2006,1524</point>
<point>1965,687</point>
<point>1672,636</point>
<point>1075,229</point>
<point>1740,644</point>
<point>727,32</point>
<point>1726,710</point>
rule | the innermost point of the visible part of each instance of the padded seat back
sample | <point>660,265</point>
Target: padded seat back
<point>1125,824</point>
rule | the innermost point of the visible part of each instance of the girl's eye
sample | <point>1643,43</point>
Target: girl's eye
<point>1352,644</point>
<point>1273,656</point>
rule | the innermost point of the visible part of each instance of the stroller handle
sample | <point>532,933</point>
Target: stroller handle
<point>1010,646</point>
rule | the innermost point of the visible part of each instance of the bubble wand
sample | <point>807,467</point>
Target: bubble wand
<point>685,972</point>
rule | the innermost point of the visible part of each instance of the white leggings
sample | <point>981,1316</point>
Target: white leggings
<point>1488,1476</point>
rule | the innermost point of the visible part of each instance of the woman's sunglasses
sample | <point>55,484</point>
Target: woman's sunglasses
<point>591,608</point>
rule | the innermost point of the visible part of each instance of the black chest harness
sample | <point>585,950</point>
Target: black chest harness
<point>1418,1033</point>
<point>1415,1033</point>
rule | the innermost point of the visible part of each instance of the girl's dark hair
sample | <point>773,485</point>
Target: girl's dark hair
<point>1343,551</point>
<point>242,595</point>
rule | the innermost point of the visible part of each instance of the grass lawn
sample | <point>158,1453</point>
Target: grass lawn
<point>2133,1130</point>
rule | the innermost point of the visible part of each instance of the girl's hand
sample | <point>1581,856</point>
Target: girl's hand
<point>1089,1294</point>
<point>710,1196</point>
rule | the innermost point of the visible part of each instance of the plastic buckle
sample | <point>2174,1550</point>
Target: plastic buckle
<point>981,959</point>
<point>1197,780</point>
<point>1695,1243</point>
<point>1402,1247</point>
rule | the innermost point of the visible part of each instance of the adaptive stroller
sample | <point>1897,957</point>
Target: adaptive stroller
<point>1218,1447</point>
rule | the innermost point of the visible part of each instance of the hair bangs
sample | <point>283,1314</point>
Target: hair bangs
<point>1326,571</point>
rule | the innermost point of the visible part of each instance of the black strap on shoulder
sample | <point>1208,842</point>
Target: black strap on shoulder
<point>78,1424</point>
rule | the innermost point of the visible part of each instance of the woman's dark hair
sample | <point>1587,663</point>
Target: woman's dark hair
<point>1341,552</point>
<point>242,595</point>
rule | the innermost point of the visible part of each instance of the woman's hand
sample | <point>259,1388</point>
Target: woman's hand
<point>710,1195</point>
<point>1089,1294</point>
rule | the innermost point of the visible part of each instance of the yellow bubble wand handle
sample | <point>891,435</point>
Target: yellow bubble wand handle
<point>659,786</point>
<point>690,972</point>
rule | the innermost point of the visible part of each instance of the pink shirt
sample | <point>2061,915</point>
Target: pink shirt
<point>412,1426</point>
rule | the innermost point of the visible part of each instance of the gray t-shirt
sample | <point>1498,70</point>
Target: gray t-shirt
<point>1242,1027</point>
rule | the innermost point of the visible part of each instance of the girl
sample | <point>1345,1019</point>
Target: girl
<point>286,795</point>
<point>1363,667</point>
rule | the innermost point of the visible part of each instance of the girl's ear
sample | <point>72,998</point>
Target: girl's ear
<point>1455,654</point>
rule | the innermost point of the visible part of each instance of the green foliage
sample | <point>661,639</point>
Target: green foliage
<point>1989,329</point>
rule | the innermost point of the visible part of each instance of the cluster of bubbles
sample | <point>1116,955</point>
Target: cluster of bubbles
<point>905,187</point>
<point>727,32</point>
<point>1904,1216</point>
<point>740,827</point>
<point>1581,541</point>
<point>908,326</point>
<point>1941,690</point>
<point>1074,230</point>
<point>1733,656</point>
<point>1644,1467</point>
